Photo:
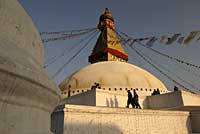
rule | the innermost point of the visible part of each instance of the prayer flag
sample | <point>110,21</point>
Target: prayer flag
<point>124,41</point>
<point>180,40</point>
<point>198,39</point>
<point>173,38</point>
<point>140,39</point>
<point>163,39</point>
<point>191,36</point>
<point>133,41</point>
<point>151,41</point>
<point>146,38</point>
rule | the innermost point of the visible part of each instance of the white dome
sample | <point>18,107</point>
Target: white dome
<point>111,75</point>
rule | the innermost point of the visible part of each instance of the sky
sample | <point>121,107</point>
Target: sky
<point>138,18</point>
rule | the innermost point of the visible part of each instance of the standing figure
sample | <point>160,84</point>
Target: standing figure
<point>154,92</point>
<point>136,99</point>
<point>69,91</point>
<point>175,88</point>
<point>130,99</point>
<point>158,91</point>
<point>98,85</point>
<point>94,86</point>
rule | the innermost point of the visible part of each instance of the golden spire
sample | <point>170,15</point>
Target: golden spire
<point>108,46</point>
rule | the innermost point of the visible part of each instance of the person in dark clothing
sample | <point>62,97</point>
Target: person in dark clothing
<point>97,85</point>
<point>130,99</point>
<point>154,92</point>
<point>136,99</point>
<point>158,91</point>
<point>175,88</point>
<point>69,91</point>
<point>93,87</point>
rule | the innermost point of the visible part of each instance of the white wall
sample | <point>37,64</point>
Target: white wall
<point>103,120</point>
<point>101,97</point>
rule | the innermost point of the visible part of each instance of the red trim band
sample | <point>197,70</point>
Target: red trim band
<point>117,53</point>
<point>106,50</point>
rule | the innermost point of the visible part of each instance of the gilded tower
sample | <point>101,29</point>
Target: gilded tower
<point>108,46</point>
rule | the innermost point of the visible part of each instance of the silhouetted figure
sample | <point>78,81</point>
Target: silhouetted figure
<point>154,92</point>
<point>96,85</point>
<point>130,99</point>
<point>93,87</point>
<point>175,88</point>
<point>136,100</point>
<point>69,91</point>
<point>157,91</point>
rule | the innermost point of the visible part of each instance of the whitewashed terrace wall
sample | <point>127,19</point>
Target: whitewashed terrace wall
<point>102,120</point>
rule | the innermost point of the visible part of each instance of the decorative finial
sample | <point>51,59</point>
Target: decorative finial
<point>106,11</point>
<point>106,19</point>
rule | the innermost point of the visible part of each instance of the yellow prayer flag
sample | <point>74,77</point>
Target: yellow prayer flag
<point>191,36</point>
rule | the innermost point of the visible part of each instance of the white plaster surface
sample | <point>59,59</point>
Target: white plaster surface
<point>100,97</point>
<point>175,100</point>
<point>27,96</point>
<point>195,121</point>
<point>102,120</point>
<point>112,74</point>
<point>86,98</point>
<point>179,100</point>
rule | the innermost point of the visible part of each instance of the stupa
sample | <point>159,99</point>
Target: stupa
<point>27,95</point>
<point>110,69</point>
<point>101,110</point>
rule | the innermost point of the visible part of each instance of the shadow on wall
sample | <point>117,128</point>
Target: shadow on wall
<point>112,103</point>
<point>57,122</point>
<point>188,125</point>
<point>58,127</point>
<point>145,103</point>
<point>90,128</point>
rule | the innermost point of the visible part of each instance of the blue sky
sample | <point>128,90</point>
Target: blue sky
<point>138,18</point>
